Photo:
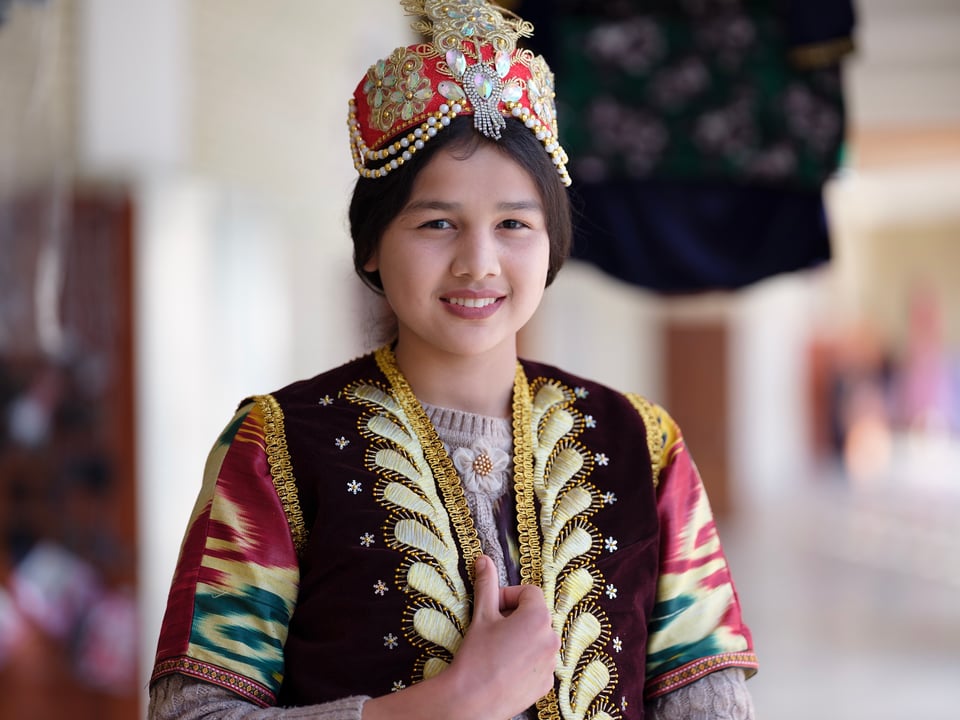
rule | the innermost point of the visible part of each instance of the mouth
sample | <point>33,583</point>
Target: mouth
<point>471,302</point>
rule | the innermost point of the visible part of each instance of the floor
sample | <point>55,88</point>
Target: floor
<point>852,591</point>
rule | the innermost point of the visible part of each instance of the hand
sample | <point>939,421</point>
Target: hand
<point>504,665</point>
<point>510,650</point>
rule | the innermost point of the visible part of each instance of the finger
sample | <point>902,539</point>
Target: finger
<point>509,597</point>
<point>530,596</point>
<point>486,588</point>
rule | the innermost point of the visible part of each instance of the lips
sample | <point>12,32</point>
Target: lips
<point>472,307</point>
<point>471,302</point>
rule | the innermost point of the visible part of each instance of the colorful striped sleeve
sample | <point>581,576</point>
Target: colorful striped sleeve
<point>236,581</point>
<point>696,627</point>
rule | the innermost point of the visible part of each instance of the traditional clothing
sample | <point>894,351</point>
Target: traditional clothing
<point>331,549</point>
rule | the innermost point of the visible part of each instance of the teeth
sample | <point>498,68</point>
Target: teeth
<point>472,302</point>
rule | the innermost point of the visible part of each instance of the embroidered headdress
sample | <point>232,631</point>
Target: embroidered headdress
<point>471,66</point>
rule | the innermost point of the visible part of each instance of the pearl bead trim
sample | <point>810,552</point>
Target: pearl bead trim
<point>401,151</point>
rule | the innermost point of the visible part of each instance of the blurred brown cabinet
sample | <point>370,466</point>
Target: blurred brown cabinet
<point>67,490</point>
<point>697,396</point>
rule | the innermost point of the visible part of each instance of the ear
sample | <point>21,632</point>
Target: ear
<point>373,264</point>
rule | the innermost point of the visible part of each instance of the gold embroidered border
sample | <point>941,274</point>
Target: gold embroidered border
<point>281,469</point>
<point>436,455</point>
<point>695,670</point>
<point>217,676</point>
<point>528,537</point>
<point>655,443</point>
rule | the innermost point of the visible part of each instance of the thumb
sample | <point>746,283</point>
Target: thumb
<point>486,588</point>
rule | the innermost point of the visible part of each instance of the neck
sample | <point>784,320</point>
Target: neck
<point>476,384</point>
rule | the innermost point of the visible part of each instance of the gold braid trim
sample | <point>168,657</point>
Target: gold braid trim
<point>281,469</point>
<point>528,537</point>
<point>437,457</point>
<point>655,434</point>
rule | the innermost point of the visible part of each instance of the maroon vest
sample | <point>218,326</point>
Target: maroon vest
<point>387,537</point>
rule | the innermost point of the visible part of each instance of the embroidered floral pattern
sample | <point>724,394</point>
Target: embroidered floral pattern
<point>380,588</point>
<point>471,18</point>
<point>617,644</point>
<point>413,92</point>
<point>611,591</point>
<point>354,487</point>
<point>341,442</point>
<point>390,641</point>
<point>367,540</point>
<point>398,685</point>
<point>601,459</point>
<point>610,544</point>
<point>541,91</point>
<point>589,421</point>
<point>609,498</point>
<point>396,88</point>
<point>325,401</point>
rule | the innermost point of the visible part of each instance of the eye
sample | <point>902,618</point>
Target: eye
<point>436,225</point>
<point>513,224</point>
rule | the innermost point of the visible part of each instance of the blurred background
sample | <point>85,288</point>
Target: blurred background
<point>173,187</point>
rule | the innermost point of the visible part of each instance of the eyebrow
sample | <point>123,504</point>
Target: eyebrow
<point>441,205</point>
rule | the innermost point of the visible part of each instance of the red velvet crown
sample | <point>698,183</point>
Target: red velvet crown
<point>471,67</point>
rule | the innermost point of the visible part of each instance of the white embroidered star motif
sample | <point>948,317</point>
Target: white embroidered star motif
<point>326,400</point>
<point>380,588</point>
<point>609,498</point>
<point>397,686</point>
<point>581,392</point>
<point>611,591</point>
<point>623,703</point>
<point>617,644</point>
<point>601,459</point>
<point>610,544</point>
<point>367,539</point>
<point>341,442</point>
<point>390,641</point>
<point>353,487</point>
<point>589,421</point>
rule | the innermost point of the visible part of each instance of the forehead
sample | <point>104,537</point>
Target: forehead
<point>475,172</point>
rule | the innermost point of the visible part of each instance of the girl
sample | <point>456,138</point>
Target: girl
<point>439,529</point>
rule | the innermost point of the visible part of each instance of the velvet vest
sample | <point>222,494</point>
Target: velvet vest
<point>385,538</point>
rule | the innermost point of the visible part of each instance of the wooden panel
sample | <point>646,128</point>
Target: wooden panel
<point>67,485</point>
<point>695,377</point>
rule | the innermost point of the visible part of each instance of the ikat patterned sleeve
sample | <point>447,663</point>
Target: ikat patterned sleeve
<point>236,580</point>
<point>696,627</point>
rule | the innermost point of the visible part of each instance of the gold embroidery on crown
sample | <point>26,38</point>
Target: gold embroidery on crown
<point>452,22</point>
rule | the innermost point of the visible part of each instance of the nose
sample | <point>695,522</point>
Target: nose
<point>476,254</point>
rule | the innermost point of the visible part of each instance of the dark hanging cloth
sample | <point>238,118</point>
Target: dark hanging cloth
<point>700,133</point>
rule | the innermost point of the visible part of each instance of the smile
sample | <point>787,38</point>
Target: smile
<point>472,302</point>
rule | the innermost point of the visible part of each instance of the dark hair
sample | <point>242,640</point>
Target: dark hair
<point>377,201</point>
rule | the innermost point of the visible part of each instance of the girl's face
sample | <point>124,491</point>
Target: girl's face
<point>464,264</point>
